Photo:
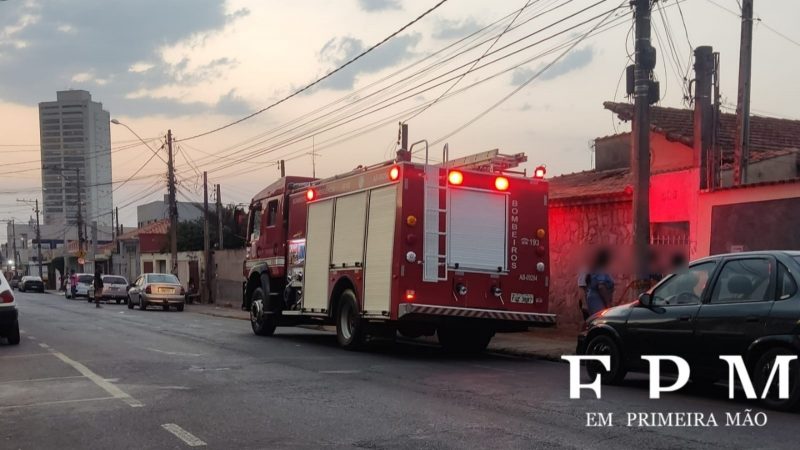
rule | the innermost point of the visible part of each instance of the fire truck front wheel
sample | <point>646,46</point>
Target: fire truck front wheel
<point>349,325</point>
<point>263,324</point>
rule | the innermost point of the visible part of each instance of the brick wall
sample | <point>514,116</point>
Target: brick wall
<point>575,230</point>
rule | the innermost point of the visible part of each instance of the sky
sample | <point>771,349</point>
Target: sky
<point>537,87</point>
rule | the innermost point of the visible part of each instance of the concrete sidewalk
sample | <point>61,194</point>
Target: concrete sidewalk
<point>544,343</point>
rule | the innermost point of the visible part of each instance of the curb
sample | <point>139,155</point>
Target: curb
<point>547,356</point>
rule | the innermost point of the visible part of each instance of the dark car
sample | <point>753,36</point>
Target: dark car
<point>31,283</point>
<point>744,304</point>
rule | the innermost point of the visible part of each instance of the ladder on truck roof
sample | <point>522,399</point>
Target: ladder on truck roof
<point>434,241</point>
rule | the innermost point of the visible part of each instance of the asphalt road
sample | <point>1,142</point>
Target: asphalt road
<point>115,378</point>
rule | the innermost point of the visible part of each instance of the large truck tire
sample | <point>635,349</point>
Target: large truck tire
<point>350,328</point>
<point>464,338</point>
<point>263,324</point>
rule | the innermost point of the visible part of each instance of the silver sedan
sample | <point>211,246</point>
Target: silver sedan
<point>153,289</point>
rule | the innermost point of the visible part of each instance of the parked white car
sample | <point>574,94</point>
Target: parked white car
<point>9,322</point>
<point>81,288</point>
<point>115,287</point>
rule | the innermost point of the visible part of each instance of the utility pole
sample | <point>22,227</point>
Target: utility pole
<point>644,62</point>
<point>313,158</point>
<point>283,169</point>
<point>119,227</point>
<point>173,207</point>
<point>94,246</point>
<point>703,130</point>
<point>80,217</point>
<point>14,245</point>
<point>38,240</point>
<point>206,242</point>
<point>220,242</point>
<point>403,154</point>
<point>741,153</point>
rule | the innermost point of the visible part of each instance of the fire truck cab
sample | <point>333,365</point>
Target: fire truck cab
<point>457,249</point>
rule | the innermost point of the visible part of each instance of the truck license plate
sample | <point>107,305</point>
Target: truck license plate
<point>522,298</point>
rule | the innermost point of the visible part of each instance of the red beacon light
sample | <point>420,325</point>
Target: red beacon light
<point>311,195</point>
<point>501,183</point>
<point>455,177</point>
<point>539,172</point>
<point>394,173</point>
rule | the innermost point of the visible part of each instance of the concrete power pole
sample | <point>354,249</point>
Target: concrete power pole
<point>741,153</point>
<point>283,169</point>
<point>94,246</point>
<point>14,246</point>
<point>221,239</point>
<point>119,227</point>
<point>206,242</point>
<point>173,207</point>
<point>80,217</point>
<point>703,113</point>
<point>645,61</point>
<point>38,240</point>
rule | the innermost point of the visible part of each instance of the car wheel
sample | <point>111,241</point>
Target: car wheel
<point>118,300</point>
<point>142,303</point>
<point>263,324</point>
<point>457,337</point>
<point>350,328</point>
<point>165,307</point>
<point>179,307</point>
<point>130,303</point>
<point>761,372</point>
<point>13,333</point>
<point>605,345</point>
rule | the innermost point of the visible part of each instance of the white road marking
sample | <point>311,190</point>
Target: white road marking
<point>99,381</point>
<point>57,402</point>
<point>340,371</point>
<point>174,353</point>
<point>190,439</point>
<point>43,345</point>
<point>33,338</point>
<point>33,380</point>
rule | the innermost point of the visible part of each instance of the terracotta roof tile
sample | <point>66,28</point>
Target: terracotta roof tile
<point>769,136</point>
<point>590,183</point>
<point>160,227</point>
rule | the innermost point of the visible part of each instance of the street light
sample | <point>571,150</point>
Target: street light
<point>117,122</point>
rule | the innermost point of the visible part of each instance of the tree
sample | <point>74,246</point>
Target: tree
<point>190,233</point>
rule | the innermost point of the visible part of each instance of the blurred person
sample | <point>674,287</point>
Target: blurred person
<point>98,287</point>
<point>600,285</point>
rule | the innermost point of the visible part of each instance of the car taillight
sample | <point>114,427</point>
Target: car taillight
<point>148,290</point>
<point>6,297</point>
<point>183,292</point>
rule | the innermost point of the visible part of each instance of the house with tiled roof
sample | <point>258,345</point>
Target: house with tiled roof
<point>593,208</point>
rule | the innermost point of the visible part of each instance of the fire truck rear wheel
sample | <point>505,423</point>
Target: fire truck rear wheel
<point>349,325</point>
<point>263,324</point>
<point>460,338</point>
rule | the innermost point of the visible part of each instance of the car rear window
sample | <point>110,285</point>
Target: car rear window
<point>85,278</point>
<point>162,278</point>
<point>114,280</point>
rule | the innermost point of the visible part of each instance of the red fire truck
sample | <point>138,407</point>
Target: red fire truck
<point>457,249</point>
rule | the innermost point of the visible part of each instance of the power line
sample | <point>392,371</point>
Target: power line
<point>527,82</point>
<point>366,111</point>
<point>319,80</point>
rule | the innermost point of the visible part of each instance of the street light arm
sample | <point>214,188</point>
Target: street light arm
<point>117,122</point>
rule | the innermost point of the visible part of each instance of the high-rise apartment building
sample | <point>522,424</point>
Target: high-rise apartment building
<point>75,141</point>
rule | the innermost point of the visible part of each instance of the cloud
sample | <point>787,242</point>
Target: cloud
<point>111,51</point>
<point>450,29</point>
<point>379,5</point>
<point>339,50</point>
<point>575,60</point>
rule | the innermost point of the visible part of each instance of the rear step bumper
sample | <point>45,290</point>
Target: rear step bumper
<point>474,313</point>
